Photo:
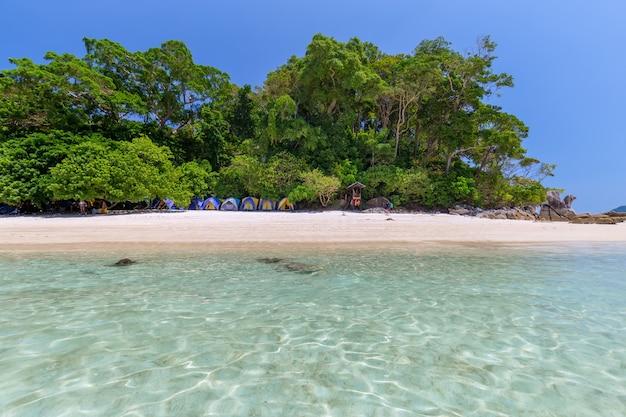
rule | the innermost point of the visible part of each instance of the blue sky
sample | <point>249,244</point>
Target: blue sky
<point>567,57</point>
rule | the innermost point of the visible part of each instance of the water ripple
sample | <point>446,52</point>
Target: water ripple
<point>394,334</point>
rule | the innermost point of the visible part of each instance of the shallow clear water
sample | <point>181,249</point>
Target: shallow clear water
<point>443,332</point>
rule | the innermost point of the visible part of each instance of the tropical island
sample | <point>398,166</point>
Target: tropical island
<point>126,128</point>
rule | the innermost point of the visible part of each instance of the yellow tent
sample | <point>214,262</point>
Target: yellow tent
<point>284,204</point>
<point>266,204</point>
<point>249,204</point>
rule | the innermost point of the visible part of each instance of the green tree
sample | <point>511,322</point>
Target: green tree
<point>35,97</point>
<point>377,146</point>
<point>412,82</point>
<point>25,164</point>
<point>85,174</point>
<point>452,116</point>
<point>283,81</point>
<point>315,186</point>
<point>280,175</point>
<point>244,120</point>
<point>381,180</point>
<point>213,142</point>
<point>118,172</point>
<point>198,178</point>
<point>241,178</point>
<point>124,69</point>
<point>174,88</point>
<point>334,82</point>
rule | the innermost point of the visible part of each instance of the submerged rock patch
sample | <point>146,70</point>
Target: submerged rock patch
<point>124,262</point>
<point>292,266</point>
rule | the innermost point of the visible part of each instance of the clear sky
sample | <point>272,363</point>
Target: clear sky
<point>567,57</point>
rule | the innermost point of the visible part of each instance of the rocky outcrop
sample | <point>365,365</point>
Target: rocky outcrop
<point>555,209</point>
<point>604,218</point>
<point>378,202</point>
<point>513,213</point>
<point>528,212</point>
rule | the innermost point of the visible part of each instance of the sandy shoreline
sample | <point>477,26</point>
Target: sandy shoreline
<point>211,230</point>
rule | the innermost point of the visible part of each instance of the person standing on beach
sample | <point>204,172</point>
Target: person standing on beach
<point>82,205</point>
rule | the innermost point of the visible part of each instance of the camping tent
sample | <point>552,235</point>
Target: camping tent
<point>170,204</point>
<point>284,204</point>
<point>249,204</point>
<point>212,203</point>
<point>196,204</point>
<point>158,204</point>
<point>6,209</point>
<point>165,203</point>
<point>230,204</point>
<point>266,204</point>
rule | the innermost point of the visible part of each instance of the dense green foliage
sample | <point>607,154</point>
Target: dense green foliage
<point>127,126</point>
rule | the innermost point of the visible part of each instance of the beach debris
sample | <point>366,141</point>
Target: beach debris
<point>124,262</point>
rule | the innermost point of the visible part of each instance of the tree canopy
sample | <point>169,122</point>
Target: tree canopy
<point>124,126</point>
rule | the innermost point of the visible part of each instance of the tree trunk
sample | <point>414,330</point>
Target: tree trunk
<point>449,162</point>
<point>417,130</point>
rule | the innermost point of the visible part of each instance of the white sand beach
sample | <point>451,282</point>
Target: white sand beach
<point>215,230</point>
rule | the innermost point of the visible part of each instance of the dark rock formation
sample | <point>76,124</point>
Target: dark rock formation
<point>378,202</point>
<point>528,212</point>
<point>270,260</point>
<point>301,268</point>
<point>555,209</point>
<point>511,213</point>
<point>124,262</point>
<point>291,266</point>
<point>604,218</point>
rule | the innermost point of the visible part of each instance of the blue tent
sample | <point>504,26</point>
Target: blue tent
<point>267,204</point>
<point>230,204</point>
<point>212,203</point>
<point>196,204</point>
<point>249,204</point>
<point>170,204</point>
<point>166,203</point>
<point>7,209</point>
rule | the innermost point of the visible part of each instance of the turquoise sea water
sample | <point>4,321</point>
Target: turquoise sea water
<point>457,331</point>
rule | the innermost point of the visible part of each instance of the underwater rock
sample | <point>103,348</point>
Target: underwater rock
<point>301,268</point>
<point>270,260</point>
<point>124,262</point>
<point>291,266</point>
